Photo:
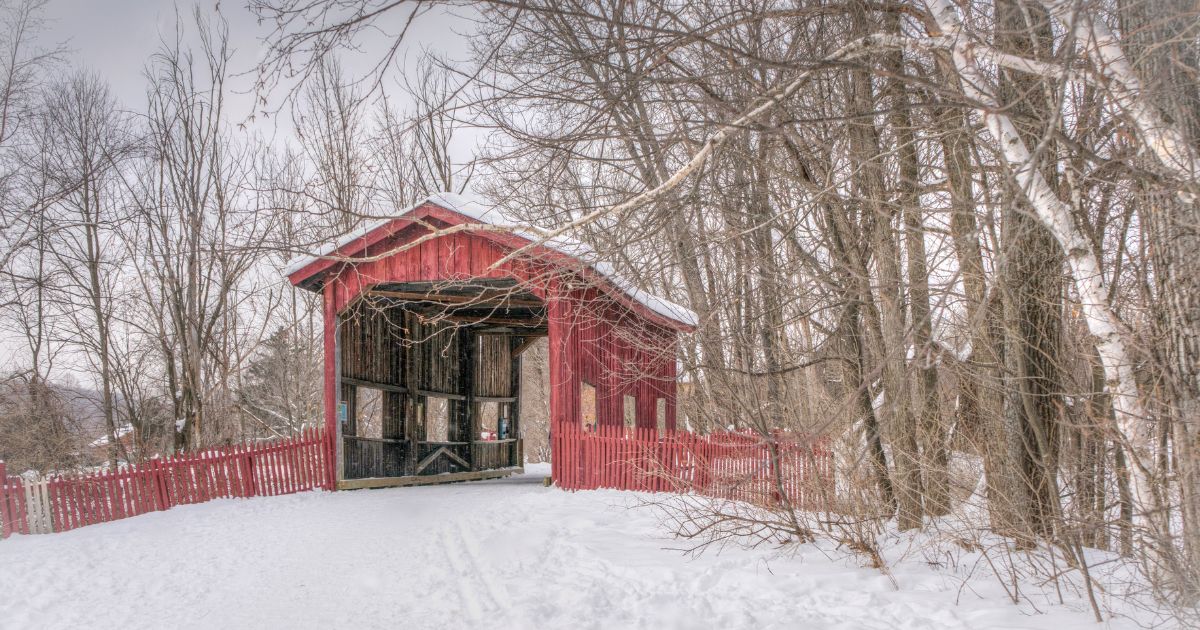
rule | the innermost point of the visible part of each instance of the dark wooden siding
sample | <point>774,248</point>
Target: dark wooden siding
<point>365,457</point>
<point>494,367</point>
<point>436,359</point>
<point>372,340</point>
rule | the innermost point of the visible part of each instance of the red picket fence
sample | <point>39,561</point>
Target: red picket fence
<point>784,469</point>
<point>736,466</point>
<point>12,505</point>
<point>63,503</point>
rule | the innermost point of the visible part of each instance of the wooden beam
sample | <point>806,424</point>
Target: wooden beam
<point>525,345</point>
<point>467,345</point>
<point>514,410</point>
<point>421,480</point>
<point>387,387</point>
<point>497,399</point>
<point>359,438</point>
<point>528,332</point>
<point>433,394</point>
<point>430,458</point>
<point>333,391</point>
<point>471,319</point>
<point>484,299</point>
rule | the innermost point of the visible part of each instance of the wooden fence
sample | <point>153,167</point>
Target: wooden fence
<point>780,470</point>
<point>62,503</point>
<point>783,469</point>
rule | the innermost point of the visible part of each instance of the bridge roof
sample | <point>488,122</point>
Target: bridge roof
<point>305,268</point>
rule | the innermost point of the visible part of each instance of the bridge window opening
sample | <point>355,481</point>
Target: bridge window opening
<point>660,415</point>
<point>489,421</point>
<point>495,421</point>
<point>436,414</point>
<point>630,411</point>
<point>369,420</point>
<point>587,404</point>
<point>533,409</point>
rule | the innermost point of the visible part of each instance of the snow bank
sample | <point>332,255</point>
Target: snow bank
<point>503,554</point>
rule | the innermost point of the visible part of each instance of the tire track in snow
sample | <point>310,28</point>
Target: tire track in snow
<point>479,592</point>
<point>462,586</point>
<point>496,591</point>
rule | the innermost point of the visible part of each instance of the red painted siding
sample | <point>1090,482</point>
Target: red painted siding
<point>597,333</point>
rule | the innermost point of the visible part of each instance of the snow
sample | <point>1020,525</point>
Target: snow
<point>506,554</point>
<point>495,216</point>
<point>121,432</point>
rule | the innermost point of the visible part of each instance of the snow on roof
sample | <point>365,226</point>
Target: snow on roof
<point>493,215</point>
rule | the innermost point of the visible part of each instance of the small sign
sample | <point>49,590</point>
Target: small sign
<point>343,411</point>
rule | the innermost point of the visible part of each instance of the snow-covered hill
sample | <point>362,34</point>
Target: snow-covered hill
<point>503,554</point>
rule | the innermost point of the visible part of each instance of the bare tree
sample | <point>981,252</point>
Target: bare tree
<point>196,229</point>
<point>332,131</point>
<point>88,142</point>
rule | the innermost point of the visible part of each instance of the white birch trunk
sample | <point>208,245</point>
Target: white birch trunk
<point>1102,321</point>
<point>1167,143</point>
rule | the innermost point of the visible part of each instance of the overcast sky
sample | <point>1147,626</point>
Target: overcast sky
<point>116,38</point>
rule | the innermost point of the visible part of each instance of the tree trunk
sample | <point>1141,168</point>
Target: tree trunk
<point>983,364</point>
<point>1132,425</point>
<point>900,428</point>
<point>1160,45</point>
<point>1031,292</point>
<point>933,460</point>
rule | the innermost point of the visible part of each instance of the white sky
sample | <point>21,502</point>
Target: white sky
<point>116,38</point>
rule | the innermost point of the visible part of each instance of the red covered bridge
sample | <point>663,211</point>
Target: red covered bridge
<point>426,315</point>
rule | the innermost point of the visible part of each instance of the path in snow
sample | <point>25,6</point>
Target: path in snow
<point>501,554</point>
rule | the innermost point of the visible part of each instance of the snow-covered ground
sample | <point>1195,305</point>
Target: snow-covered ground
<point>501,554</point>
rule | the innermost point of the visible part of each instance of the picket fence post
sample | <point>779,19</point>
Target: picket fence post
<point>5,520</point>
<point>18,516</point>
<point>245,471</point>
<point>160,484</point>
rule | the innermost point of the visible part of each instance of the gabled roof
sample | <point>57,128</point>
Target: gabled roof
<point>478,212</point>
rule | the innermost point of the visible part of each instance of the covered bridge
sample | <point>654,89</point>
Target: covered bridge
<point>427,313</point>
